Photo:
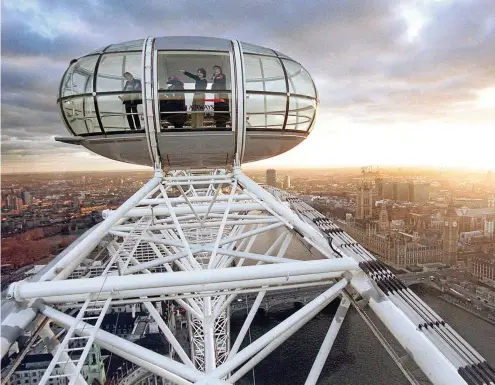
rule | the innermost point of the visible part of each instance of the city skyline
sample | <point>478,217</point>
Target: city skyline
<point>412,84</point>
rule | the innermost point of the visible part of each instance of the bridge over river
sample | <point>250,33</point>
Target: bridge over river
<point>305,295</point>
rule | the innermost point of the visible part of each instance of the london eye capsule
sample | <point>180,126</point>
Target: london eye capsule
<point>187,102</point>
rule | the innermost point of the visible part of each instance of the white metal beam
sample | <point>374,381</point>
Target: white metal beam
<point>246,324</point>
<point>101,336</point>
<point>200,209</point>
<point>327,344</point>
<point>53,345</point>
<point>27,290</point>
<point>200,290</point>
<point>312,307</point>
<point>168,334</point>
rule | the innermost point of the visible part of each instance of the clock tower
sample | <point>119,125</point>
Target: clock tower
<point>450,235</point>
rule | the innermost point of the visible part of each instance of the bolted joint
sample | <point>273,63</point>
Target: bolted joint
<point>13,291</point>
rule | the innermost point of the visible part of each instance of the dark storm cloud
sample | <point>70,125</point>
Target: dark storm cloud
<point>18,39</point>
<point>365,67</point>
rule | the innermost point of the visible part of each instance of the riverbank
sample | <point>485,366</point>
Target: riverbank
<point>460,305</point>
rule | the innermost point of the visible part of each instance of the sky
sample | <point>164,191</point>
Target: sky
<point>403,82</point>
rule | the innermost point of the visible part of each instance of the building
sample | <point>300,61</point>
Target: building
<point>18,203</point>
<point>450,235</point>
<point>470,236</point>
<point>383,222</point>
<point>419,192</point>
<point>401,191</point>
<point>385,190</point>
<point>489,226</point>
<point>471,203</point>
<point>475,219</point>
<point>271,177</point>
<point>483,268</point>
<point>286,182</point>
<point>11,199</point>
<point>26,197</point>
<point>364,202</point>
<point>397,248</point>
<point>491,200</point>
<point>33,367</point>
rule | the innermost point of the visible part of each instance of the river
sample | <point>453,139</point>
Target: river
<point>357,357</point>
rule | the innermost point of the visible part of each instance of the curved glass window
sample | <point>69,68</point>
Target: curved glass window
<point>265,111</point>
<point>282,55</point>
<point>264,74</point>
<point>79,77</point>
<point>194,90</point>
<point>80,114</point>
<point>112,70</point>
<point>301,113</point>
<point>299,80</point>
<point>99,50</point>
<point>196,43</point>
<point>133,45</point>
<point>252,48</point>
<point>123,112</point>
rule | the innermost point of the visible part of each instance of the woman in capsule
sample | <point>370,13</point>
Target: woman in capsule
<point>198,105</point>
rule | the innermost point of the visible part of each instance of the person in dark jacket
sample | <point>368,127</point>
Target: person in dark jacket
<point>173,104</point>
<point>221,103</point>
<point>131,101</point>
<point>198,105</point>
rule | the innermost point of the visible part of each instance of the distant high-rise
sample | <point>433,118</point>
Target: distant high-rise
<point>450,235</point>
<point>419,192</point>
<point>10,201</point>
<point>287,181</point>
<point>26,197</point>
<point>385,190</point>
<point>77,202</point>
<point>401,191</point>
<point>17,203</point>
<point>271,177</point>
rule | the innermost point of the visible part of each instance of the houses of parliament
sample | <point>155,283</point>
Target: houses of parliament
<point>400,224</point>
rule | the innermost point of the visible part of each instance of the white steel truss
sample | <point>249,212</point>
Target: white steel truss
<point>194,239</point>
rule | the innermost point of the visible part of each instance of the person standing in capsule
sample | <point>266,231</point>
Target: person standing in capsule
<point>198,105</point>
<point>131,101</point>
<point>221,103</point>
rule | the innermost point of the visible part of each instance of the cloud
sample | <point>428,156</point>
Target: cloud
<point>374,62</point>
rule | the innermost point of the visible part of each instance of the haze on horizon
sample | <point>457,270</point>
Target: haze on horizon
<point>410,82</point>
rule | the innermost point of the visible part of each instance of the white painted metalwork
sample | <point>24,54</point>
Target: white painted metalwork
<point>327,344</point>
<point>150,96</point>
<point>72,345</point>
<point>193,239</point>
<point>240,95</point>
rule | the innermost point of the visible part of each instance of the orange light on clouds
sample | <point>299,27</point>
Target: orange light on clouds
<point>340,143</point>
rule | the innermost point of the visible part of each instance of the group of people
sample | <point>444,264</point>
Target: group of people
<point>220,101</point>
<point>173,104</point>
